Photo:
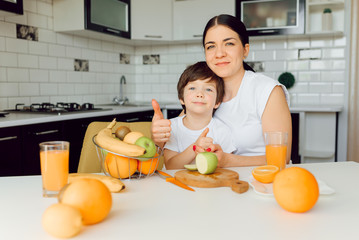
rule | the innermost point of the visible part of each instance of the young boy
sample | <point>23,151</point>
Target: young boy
<point>200,92</point>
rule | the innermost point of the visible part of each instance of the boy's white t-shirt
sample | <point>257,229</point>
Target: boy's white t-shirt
<point>182,137</point>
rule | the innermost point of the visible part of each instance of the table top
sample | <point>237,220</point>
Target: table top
<point>152,208</point>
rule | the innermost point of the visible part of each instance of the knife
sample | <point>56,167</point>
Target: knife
<point>171,179</point>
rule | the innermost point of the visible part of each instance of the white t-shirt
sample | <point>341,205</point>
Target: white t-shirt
<point>243,113</point>
<point>182,137</point>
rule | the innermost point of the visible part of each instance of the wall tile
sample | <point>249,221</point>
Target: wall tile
<point>17,75</point>
<point>57,50</point>
<point>16,45</point>
<point>9,89</point>
<point>298,65</point>
<point>333,76</point>
<point>47,62</point>
<point>44,8</point>
<point>3,75</point>
<point>2,44</point>
<point>36,20</point>
<point>29,89</point>
<point>8,29</point>
<point>8,59</point>
<point>308,99</point>
<point>275,44</point>
<point>37,75</point>
<point>47,36</point>
<point>65,64</point>
<point>38,48</point>
<point>81,42</point>
<point>320,87</point>
<point>311,76</point>
<point>64,39</point>
<point>320,64</point>
<point>48,89</point>
<point>66,89</point>
<point>28,61</point>
<point>73,52</point>
<point>264,55</point>
<point>58,76</point>
<point>298,43</point>
<point>271,66</point>
<point>332,99</point>
<point>30,6</point>
<point>315,42</point>
<point>22,19</point>
<point>286,54</point>
<point>333,53</point>
<point>300,87</point>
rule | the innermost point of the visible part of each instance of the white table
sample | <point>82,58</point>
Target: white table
<point>154,209</point>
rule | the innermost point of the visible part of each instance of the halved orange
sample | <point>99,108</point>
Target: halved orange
<point>265,174</point>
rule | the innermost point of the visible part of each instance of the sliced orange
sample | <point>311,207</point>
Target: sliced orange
<point>265,174</point>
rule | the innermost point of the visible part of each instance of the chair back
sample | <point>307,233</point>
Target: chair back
<point>89,161</point>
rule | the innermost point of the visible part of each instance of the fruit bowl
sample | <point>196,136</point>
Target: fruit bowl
<point>125,167</point>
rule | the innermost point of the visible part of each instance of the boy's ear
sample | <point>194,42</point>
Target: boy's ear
<point>217,105</point>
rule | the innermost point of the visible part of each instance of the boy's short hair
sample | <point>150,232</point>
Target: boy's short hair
<point>199,71</point>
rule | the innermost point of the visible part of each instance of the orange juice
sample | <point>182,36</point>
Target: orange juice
<point>276,155</point>
<point>54,169</point>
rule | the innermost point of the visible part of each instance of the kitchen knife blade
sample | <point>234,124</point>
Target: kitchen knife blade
<point>171,179</point>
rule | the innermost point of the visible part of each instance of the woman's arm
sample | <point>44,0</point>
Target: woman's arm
<point>175,160</point>
<point>276,116</point>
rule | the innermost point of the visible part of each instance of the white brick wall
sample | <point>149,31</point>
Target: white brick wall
<point>44,71</point>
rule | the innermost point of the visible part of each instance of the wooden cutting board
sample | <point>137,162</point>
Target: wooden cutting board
<point>220,178</point>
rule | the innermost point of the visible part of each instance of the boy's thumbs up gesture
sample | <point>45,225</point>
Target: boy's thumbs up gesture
<point>161,128</point>
<point>203,142</point>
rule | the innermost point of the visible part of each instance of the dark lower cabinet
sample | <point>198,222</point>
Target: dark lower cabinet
<point>19,146</point>
<point>32,136</point>
<point>10,151</point>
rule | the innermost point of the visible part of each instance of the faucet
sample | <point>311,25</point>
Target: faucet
<point>121,100</point>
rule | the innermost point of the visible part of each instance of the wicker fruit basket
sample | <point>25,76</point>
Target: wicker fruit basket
<point>125,167</point>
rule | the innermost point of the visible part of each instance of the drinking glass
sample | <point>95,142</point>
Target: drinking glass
<point>276,148</point>
<point>54,158</point>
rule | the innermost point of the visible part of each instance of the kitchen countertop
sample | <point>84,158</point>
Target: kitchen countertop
<point>152,208</point>
<point>19,119</point>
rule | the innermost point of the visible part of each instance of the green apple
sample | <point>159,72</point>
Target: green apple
<point>191,167</point>
<point>148,144</point>
<point>206,162</point>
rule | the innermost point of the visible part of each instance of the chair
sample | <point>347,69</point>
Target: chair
<point>89,161</point>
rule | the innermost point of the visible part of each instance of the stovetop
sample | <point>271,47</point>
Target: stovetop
<point>58,108</point>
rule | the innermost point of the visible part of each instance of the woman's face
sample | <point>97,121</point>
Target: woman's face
<point>224,51</point>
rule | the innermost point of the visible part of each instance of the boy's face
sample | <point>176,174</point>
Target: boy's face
<point>200,96</point>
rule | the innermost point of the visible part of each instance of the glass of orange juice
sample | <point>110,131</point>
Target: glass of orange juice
<point>54,159</point>
<point>276,148</point>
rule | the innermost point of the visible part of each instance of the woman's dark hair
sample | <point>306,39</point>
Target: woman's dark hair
<point>199,71</point>
<point>233,23</point>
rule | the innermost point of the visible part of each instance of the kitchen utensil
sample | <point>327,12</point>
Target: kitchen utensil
<point>171,179</point>
<point>220,178</point>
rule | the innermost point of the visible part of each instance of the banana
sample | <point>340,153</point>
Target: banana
<point>105,139</point>
<point>114,185</point>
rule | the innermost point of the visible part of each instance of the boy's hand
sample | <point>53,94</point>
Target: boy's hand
<point>203,142</point>
<point>161,128</point>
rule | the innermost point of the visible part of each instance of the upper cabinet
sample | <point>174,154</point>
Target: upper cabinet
<point>325,17</point>
<point>93,18</point>
<point>190,16</point>
<point>151,19</point>
<point>11,7</point>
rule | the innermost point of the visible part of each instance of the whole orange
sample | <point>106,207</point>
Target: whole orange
<point>90,196</point>
<point>149,166</point>
<point>120,167</point>
<point>295,189</point>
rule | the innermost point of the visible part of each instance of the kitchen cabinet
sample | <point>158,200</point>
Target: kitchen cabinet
<point>151,19</point>
<point>10,151</point>
<point>190,16</point>
<point>101,19</point>
<point>32,136</point>
<point>21,143</point>
<point>314,12</point>
<point>11,7</point>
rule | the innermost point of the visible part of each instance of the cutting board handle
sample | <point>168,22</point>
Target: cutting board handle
<point>239,186</point>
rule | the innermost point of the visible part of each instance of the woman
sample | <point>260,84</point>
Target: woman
<point>252,104</point>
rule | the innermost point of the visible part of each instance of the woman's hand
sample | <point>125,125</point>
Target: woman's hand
<point>161,128</point>
<point>217,149</point>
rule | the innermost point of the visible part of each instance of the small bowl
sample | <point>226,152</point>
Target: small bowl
<point>125,167</point>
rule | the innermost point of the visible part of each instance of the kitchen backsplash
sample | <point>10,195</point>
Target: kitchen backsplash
<point>40,65</point>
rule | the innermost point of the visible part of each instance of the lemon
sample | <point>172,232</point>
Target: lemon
<point>62,220</point>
